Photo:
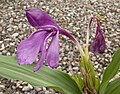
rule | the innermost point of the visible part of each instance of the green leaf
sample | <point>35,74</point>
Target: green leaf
<point>93,75</point>
<point>113,87</point>
<point>44,77</point>
<point>97,84</point>
<point>112,68</point>
<point>79,81</point>
<point>102,88</point>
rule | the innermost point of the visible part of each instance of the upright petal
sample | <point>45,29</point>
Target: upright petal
<point>52,57</point>
<point>98,44</point>
<point>38,18</point>
<point>43,54</point>
<point>28,49</point>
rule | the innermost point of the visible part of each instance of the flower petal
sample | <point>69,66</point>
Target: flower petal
<point>64,32</point>
<point>43,54</point>
<point>98,44</point>
<point>38,18</point>
<point>52,57</point>
<point>28,49</point>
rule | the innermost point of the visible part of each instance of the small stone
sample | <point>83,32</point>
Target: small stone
<point>12,44</point>
<point>65,58</point>
<point>118,29</point>
<point>41,92</point>
<point>26,88</point>
<point>15,28</point>
<point>24,25</point>
<point>47,92</point>
<point>1,42</point>
<point>24,83</point>
<point>9,29</point>
<point>107,55</point>
<point>1,93</point>
<point>30,86</point>
<point>37,89</point>
<point>13,14</point>
<point>15,34</point>
<point>99,69</point>
<point>2,46</point>
<point>2,86</point>
<point>20,87</point>
<point>95,62</point>
<point>75,68</point>
<point>8,53</point>
<point>0,28</point>
<point>33,92</point>
<point>96,66</point>
<point>93,58</point>
<point>44,88</point>
<point>4,51</point>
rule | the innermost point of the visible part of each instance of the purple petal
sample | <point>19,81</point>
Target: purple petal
<point>43,54</point>
<point>64,32</point>
<point>98,45</point>
<point>28,49</point>
<point>52,57</point>
<point>38,18</point>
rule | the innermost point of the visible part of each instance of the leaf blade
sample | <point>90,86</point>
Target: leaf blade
<point>113,87</point>
<point>44,77</point>
<point>114,66</point>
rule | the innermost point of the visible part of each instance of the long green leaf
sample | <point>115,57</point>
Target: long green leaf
<point>103,87</point>
<point>113,87</point>
<point>44,77</point>
<point>79,81</point>
<point>97,84</point>
<point>113,67</point>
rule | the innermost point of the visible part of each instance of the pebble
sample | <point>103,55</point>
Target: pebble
<point>93,58</point>
<point>26,88</point>
<point>72,16</point>
<point>30,86</point>
<point>9,29</point>
<point>47,92</point>
<point>15,34</point>
<point>37,89</point>
<point>33,92</point>
<point>2,86</point>
<point>0,28</point>
<point>24,83</point>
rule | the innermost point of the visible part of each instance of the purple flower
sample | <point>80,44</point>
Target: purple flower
<point>98,44</point>
<point>28,49</point>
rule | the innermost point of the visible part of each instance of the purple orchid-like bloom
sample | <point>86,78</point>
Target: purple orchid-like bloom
<point>28,49</point>
<point>98,44</point>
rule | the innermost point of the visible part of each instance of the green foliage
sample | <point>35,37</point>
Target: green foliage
<point>97,84</point>
<point>108,87</point>
<point>61,81</point>
<point>102,88</point>
<point>112,68</point>
<point>79,81</point>
<point>113,87</point>
<point>44,77</point>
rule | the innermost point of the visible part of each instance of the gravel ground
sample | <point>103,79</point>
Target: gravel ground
<point>71,15</point>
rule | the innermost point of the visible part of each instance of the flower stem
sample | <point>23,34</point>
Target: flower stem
<point>64,32</point>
